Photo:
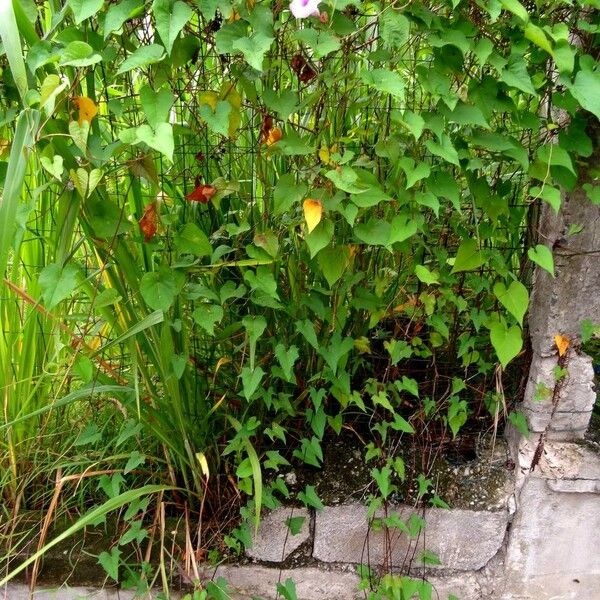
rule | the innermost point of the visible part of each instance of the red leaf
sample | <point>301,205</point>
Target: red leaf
<point>302,68</point>
<point>203,193</point>
<point>149,221</point>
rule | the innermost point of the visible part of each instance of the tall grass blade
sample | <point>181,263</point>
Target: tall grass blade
<point>9,34</point>
<point>25,131</point>
<point>87,519</point>
<point>152,319</point>
<point>68,399</point>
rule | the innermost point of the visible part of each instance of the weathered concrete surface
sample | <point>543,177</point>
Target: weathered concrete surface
<point>556,303</point>
<point>341,584</point>
<point>21,592</point>
<point>553,549</point>
<point>541,588</point>
<point>575,398</point>
<point>462,539</point>
<point>275,542</point>
<point>251,581</point>
<point>560,461</point>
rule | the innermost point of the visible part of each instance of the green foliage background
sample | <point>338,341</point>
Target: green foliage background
<point>429,133</point>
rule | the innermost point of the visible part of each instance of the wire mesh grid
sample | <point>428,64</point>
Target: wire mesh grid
<point>343,114</point>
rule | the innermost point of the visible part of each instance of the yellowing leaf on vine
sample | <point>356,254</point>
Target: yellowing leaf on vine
<point>562,343</point>
<point>362,345</point>
<point>86,107</point>
<point>313,212</point>
<point>324,154</point>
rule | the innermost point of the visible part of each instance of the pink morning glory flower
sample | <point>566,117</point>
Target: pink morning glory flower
<point>304,8</point>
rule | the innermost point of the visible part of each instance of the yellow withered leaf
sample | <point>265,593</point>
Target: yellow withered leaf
<point>201,457</point>
<point>324,154</point>
<point>562,343</point>
<point>86,107</point>
<point>313,211</point>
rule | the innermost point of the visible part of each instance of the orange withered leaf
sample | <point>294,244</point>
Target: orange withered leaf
<point>313,211</point>
<point>274,135</point>
<point>87,109</point>
<point>149,221</point>
<point>266,126</point>
<point>269,134</point>
<point>562,343</point>
<point>203,193</point>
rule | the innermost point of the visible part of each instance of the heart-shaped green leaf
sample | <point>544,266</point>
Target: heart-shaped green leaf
<point>254,49</point>
<point>142,57</point>
<point>85,182</point>
<point>207,316</point>
<point>426,276</point>
<point>401,229</point>
<point>515,299</point>
<point>170,18</point>
<point>218,119</point>
<point>54,166</point>
<point>507,341</point>
<point>156,105</point>
<point>160,288</point>
<point>319,237</point>
<point>287,359</point>
<point>178,362</point>
<point>79,134</point>
<point>549,194</point>
<point>468,257</point>
<point>333,262</point>
<point>251,379</point>
<point>57,282</point>
<point>160,138</point>
<point>542,256</point>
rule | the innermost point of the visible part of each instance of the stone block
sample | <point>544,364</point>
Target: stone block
<point>564,461</point>
<point>553,544</point>
<point>462,539</point>
<point>576,396</point>
<point>320,584</point>
<point>252,581</point>
<point>274,541</point>
<point>464,586</point>
<point>65,592</point>
<point>558,305</point>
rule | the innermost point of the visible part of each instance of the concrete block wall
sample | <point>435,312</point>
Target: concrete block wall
<point>323,557</point>
<point>558,306</point>
<point>552,546</point>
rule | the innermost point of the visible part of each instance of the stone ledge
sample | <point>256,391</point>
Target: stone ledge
<point>340,584</point>
<point>21,592</point>
<point>560,460</point>
<point>463,540</point>
<point>312,583</point>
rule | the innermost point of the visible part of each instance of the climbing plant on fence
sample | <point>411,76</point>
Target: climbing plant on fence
<point>248,225</point>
